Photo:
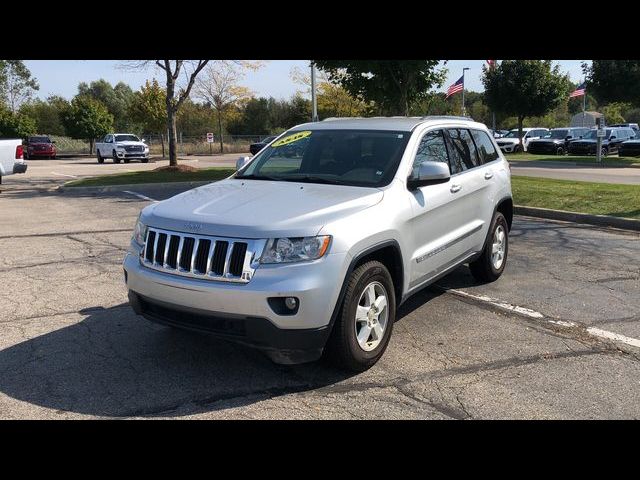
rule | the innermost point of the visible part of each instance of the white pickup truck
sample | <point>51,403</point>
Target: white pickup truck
<point>122,146</point>
<point>11,157</point>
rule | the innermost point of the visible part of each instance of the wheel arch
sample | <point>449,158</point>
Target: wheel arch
<point>390,255</point>
<point>505,207</point>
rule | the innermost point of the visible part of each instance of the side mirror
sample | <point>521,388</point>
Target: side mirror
<point>241,162</point>
<point>143,140</point>
<point>53,141</point>
<point>429,173</point>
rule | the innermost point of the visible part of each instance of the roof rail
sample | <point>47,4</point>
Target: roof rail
<point>427,117</point>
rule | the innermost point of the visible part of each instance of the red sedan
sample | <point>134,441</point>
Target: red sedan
<point>40,146</point>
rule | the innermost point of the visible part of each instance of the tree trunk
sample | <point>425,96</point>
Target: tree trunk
<point>91,146</point>
<point>520,120</point>
<point>173,137</point>
<point>220,131</point>
<point>162,142</point>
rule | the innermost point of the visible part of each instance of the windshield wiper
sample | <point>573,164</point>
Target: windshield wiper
<point>257,177</point>
<point>313,179</point>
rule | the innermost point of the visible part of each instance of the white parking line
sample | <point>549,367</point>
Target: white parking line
<point>498,303</point>
<point>139,195</point>
<point>634,342</point>
<point>64,175</point>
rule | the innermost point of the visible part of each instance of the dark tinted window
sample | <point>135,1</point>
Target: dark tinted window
<point>485,147</point>
<point>431,149</point>
<point>462,151</point>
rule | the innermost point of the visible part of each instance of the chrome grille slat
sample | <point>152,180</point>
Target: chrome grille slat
<point>219,253</point>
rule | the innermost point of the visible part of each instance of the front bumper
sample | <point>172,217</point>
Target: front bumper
<point>241,312</point>
<point>507,148</point>
<point>628,151</point>
<point>19,167</point>
<point>123,154</point>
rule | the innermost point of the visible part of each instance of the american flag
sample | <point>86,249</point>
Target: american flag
<point>456,87</point>
<point>578,92</point>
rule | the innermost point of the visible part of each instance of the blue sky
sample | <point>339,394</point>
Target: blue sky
<point>61,77</point>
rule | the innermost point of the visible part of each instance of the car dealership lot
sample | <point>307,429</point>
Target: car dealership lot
<point>70,347</point>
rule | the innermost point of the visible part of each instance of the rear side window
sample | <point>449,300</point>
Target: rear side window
<point>486,150</point>
<point>462,151</point>
<point>432,148</point>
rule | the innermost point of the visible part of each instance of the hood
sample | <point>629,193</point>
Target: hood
<point>259,208</point>
<point>129,142</point>
<point>589,141</point>
<point>631,142</point>
<point>505,141</point>
<point>41,144</point>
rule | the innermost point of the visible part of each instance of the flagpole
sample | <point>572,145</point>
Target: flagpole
<point>463,70</point>
<point>584,105</point>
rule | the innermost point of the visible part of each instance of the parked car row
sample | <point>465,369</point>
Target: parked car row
<point>623,139</point>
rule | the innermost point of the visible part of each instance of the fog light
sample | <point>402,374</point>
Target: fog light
<point>291,303</point>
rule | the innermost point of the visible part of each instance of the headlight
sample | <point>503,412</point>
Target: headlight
<point>299,249</point>
<point>140,232</point>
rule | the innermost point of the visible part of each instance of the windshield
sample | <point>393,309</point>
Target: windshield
<point>557,134</point>
<point>367,158</point>
<point>593,134</point>
<point>514,134</point>
<point>127,138</point>
<point>39,140</point>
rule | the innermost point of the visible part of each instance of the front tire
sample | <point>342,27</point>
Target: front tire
<point>114,155</point>
<point>365,323</point>
<point>493,259</point>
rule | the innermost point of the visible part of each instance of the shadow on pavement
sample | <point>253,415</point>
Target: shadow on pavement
<point>116,364</point>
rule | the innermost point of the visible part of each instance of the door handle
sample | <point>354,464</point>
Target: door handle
<point>488,175</point>
<point>455,188</point>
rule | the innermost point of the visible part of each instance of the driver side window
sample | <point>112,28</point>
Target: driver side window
<point>432,148</point>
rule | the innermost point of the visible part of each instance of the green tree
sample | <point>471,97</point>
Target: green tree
<point>16,83</point>
<point>613,113</point>
<point>117,100</point>
<point>87,119</point>
<point>16,125</point>
<point>524,88</point>
<point>46,114</point>
<point>393,85</point>
<point>149,109</point>
<point>613,80</point>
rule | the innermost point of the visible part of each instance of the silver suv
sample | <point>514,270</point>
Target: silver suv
<point>313,244</point>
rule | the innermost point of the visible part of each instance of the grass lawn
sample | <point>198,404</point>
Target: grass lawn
<point>570,158</point>
<point>153,176</point>
<point>583,197</point>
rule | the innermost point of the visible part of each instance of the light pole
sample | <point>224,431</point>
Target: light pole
<point>463,70</point>
<point>314,100</point>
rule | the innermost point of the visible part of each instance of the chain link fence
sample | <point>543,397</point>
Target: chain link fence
<point>187,145</point>
<point>198,145</point>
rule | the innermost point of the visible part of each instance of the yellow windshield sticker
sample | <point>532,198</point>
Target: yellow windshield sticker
<point>291,138</point>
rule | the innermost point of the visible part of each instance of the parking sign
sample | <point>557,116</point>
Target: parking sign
<point>209,137</point>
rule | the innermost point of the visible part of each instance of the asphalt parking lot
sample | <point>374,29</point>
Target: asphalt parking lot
<point>555,337</point>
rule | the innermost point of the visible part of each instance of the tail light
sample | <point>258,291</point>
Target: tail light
<point>19,152</point>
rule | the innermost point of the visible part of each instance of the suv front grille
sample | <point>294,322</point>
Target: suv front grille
<point>198,256</point>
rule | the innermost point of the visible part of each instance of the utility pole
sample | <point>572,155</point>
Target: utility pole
<point>314,100</point>
<point>463,109</point>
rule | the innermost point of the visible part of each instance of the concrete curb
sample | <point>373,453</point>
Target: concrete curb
<point>599,220</point>
<point>148,187</point>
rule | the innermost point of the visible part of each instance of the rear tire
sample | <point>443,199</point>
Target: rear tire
<point>493,259</point>
<point>100,159</point>
<point>145,160</point>
<point>365,322</point>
